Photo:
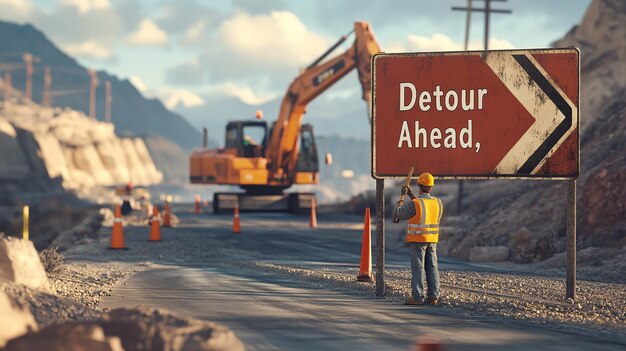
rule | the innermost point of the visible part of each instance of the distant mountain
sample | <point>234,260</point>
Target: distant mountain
<point>132,113</point>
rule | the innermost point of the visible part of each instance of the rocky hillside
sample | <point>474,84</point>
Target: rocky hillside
<point>47,151</point>
<point>132,113</point>
<point>601,38</point>
<point>527,219</point>
<point>64,143</point>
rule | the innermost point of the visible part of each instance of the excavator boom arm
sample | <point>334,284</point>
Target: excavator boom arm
<point>283,148</point>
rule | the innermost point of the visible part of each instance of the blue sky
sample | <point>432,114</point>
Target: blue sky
<point>183,51</point>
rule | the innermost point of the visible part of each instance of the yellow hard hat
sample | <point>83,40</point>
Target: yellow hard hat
<point>426,179</point>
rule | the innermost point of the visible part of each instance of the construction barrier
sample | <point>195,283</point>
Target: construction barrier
<point>155,225</point>
<point>117,236</point>
<point>365,270</point>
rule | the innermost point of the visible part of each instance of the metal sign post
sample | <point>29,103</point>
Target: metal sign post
<point>570,284</point>
<point>477,115</point>
<point>380,237</point>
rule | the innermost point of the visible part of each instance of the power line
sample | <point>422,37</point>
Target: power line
<point>487,10</point>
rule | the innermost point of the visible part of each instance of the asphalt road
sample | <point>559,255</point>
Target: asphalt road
<point>272,313</point>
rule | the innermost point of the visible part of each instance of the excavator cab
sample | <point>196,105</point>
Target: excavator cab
<point>249,138</point>
<point>307,157</point>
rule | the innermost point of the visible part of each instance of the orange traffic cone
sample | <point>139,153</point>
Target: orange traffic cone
<point>236,224</point>
<point>198,209</point>
<point>365,271</point>
<point>166,215</point>
<point>313,222</point>
<point>155,225</point>
<point>117,237</point>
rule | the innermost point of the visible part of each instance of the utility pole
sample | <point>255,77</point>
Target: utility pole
<point>93,84</point>
<point>47,83</point>
<point>468,19</point>
<point>107,102</point>
<point>469,9</point>
<point>487,10</point>
<point>8,87</point>
<point>28,59</point>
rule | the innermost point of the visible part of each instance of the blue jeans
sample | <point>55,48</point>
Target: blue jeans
<point>424,258</point>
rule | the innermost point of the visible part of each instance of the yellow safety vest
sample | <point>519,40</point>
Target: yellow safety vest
<point>424,226</point>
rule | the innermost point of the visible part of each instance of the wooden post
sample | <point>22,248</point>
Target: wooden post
<point>8,87</point>
<point>107,102</point>
<point>28,59</point>
<point>570,285</point>
<point>467,23</point>
<point>380,237</point>
<point>93,84</point>
<point>487,13</point>
<point>47,83</point>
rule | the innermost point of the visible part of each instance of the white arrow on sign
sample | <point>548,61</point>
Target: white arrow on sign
<point>555,115</point>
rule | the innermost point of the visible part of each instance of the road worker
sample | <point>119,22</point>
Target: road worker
<point>423,214</point>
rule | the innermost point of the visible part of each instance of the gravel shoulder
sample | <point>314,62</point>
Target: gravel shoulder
<point>599,307</point>
<point>92,271</point>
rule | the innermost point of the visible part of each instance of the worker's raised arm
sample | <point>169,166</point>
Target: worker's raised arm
<point>406,211</point>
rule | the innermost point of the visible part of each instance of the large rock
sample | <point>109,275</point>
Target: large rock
<point>137,170</point>
<point>67,337</point>
<point>604,201</point>
<point>15,320</point>
<point>53,155</point>
<point>152,174</point>
<point>150,329</point>
<point>114,160</point>
<point>20,264</point>
<point>88,160</point>
<point>13,163</point>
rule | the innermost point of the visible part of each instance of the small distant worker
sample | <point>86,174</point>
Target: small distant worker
<point>126,206</point>
<point>423,215</point>
<point>250,147</point>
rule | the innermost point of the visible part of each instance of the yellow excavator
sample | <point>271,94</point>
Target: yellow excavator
<point>264,163</point>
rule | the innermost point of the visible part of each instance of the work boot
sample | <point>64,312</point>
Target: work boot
<point>431,300</point>
<point>413,301</point>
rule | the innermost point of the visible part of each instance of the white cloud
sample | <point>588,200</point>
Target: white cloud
<point>279,38</point>
<point>147,34</point>
<point>174,97</point>
<point>139,84</point>
<point>84,6</point>
<point>16,10</point>
<point>244,94</point>
<point>441,42</point>
<point>89,48</point>
<point>194,32</point>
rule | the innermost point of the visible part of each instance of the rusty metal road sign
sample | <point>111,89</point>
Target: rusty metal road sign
<point>484,114</point>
